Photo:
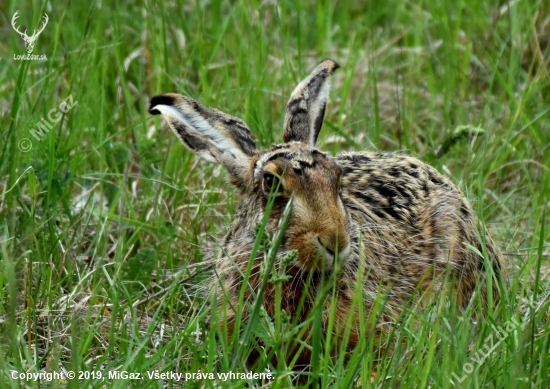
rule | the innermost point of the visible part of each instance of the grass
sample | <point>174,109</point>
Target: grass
<point>108,226</point>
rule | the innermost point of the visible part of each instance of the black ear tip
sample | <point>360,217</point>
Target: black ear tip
<point>331,63</point>
<point>159,100</point>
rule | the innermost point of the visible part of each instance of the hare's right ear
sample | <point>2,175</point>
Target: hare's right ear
<point>212,134</point>
<point>305,111</point>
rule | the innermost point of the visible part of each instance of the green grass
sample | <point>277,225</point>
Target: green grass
<point>108,225</point>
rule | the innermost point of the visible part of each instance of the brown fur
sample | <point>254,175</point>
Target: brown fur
<point>398,225</point>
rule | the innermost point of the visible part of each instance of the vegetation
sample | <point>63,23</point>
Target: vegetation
<point>108,227</point>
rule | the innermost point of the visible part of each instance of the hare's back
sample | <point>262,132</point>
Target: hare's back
<point>396,188</point>
<point>409,219</point>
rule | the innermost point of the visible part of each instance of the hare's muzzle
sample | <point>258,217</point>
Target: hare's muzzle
<point>336,248</point>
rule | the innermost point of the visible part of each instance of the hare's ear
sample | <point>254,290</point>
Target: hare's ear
<point>305,111</point>
<point>212,134</point>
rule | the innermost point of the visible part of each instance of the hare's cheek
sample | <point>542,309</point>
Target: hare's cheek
<point>309,256</point>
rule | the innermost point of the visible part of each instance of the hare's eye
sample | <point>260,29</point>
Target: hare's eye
<point>272,183</point>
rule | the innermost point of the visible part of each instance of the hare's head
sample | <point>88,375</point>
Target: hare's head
<point>318,226</point>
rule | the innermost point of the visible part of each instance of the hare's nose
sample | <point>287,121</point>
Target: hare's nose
<point>332,247</point>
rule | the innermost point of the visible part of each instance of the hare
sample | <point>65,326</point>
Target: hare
<point>387,224</point>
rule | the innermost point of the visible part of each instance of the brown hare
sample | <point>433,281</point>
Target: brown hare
<point>386,224</point>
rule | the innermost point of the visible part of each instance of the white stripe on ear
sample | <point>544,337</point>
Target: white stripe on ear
<point>211,134</point>
<point>194,124</point>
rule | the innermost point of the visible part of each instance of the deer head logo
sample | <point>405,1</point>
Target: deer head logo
<point>29,40</point>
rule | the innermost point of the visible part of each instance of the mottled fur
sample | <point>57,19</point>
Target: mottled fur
<point>386,223</point>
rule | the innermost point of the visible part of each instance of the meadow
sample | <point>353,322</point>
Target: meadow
<point>109,227</point>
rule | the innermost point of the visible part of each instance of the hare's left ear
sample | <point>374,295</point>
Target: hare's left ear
<point>212,134</point>
<point>305,111</point>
